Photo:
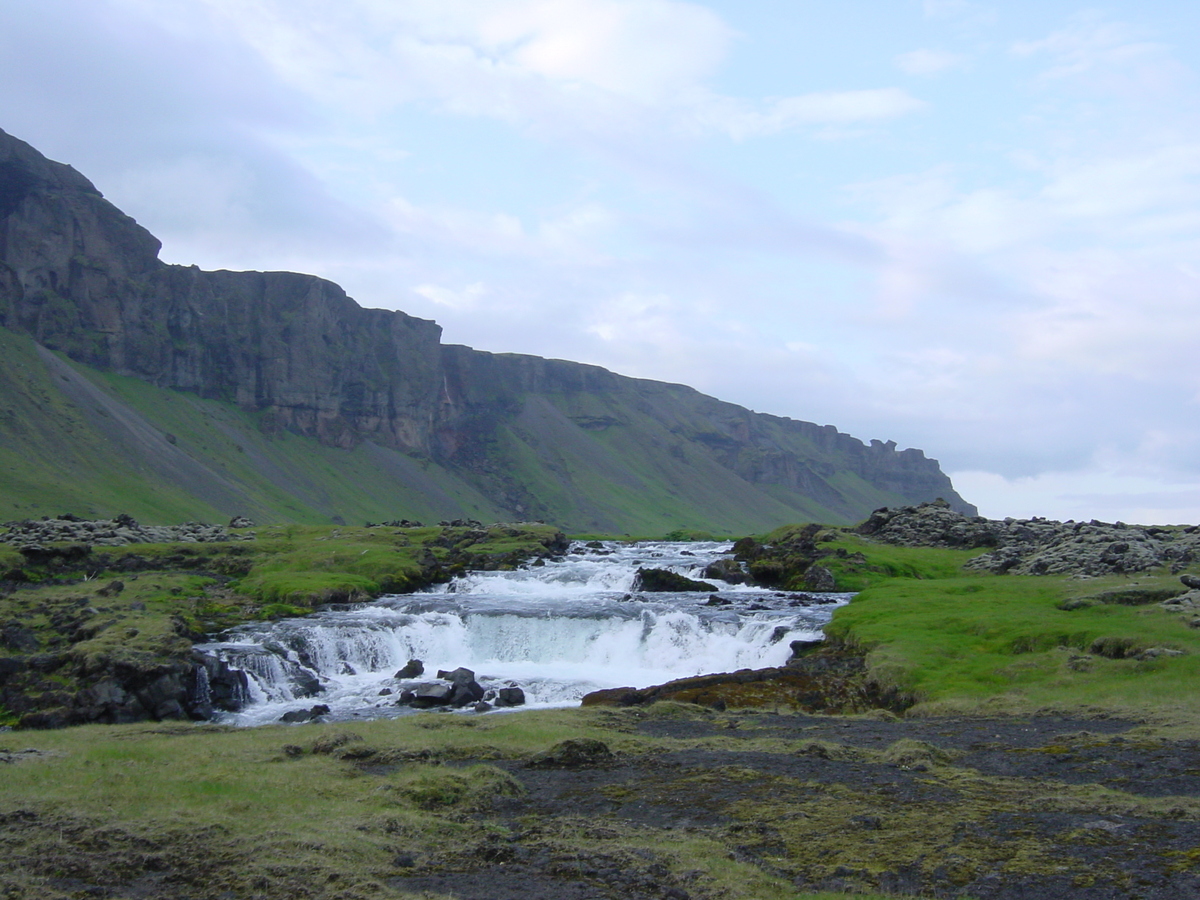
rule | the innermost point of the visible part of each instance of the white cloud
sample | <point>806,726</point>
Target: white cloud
<point>1095,492</point>
<point>466,298</point>
<point>1107,56</point>
<point>928,62</point>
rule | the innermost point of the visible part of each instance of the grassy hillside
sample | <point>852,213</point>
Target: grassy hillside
<point>95,444</point>
<point>74,439</point>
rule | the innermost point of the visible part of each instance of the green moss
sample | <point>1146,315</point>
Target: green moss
<point>1018,642</point>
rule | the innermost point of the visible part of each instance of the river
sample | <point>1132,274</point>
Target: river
<point>557,631</point>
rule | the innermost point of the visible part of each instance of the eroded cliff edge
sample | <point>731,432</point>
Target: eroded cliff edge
<point>538,438</point>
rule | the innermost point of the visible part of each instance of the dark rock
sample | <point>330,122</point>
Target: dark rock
<point>111,589</point>
<point>664,580</point>
<point>465,692</point>
<point>573,754</point>
<point>18,638</point>
<point>727,570</point>
<point>819,578</point>
<point>414,668</point>
<point>482,706</point>
<point>11,665</point>
<point>241,522</point>
<point>425,695</point>
<point>1192,581</point>
<point>804,648</point>
<point>457,676</point>
<point>326,745</point>
<point>510,696</point>
<point>296,716</point>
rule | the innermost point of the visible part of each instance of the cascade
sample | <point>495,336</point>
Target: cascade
<point>557,631</point>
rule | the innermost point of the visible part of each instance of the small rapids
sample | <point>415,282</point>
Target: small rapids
<point>557,631</point>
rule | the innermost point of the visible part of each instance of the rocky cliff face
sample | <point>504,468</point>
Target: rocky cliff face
<point>80,277</point>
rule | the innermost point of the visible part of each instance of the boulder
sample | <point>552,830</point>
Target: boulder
<point>727,570</point>
<point>663,580</point>
<point>573,754</point>
<point>414,668</point>
<point>820,579</point>
<point>510,696</point>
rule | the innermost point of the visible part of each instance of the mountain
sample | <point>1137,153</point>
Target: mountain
<point>170,392</point>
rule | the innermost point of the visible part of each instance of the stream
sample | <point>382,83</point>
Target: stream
<point>557,631</point>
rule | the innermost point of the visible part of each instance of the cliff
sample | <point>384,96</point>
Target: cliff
<point>433,429</point>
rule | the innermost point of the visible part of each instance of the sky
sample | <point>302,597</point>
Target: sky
<point>968,227</point>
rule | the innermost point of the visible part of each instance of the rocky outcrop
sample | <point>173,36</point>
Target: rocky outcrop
<point>825,681</point>
<point>80,277</point>
<point>1037,546</point>
<point>113,691</point>
<point>31,534</point>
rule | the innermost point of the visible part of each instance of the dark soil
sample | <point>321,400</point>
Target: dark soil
<point>994,809</point>
<point>1036,808</point>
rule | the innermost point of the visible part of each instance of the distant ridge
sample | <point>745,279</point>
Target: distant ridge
<point>133,385</point>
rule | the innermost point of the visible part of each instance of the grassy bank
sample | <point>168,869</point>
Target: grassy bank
<point>123,613</point>
<point>736,805</point>
<point>962,641</point>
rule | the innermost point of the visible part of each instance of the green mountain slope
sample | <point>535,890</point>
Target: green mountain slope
<point>94,443</point>
<point>76,440</point>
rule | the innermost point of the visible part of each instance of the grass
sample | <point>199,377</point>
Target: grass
<point>278,811</point>
<point>267,803</point>
<point>961,642</point>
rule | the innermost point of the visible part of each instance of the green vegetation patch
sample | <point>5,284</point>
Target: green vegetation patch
<point>1022,642</point>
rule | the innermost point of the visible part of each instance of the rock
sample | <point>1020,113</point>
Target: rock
<point>1036,546</point>
<point>466,692</point>
<point>572,754</point>
<point>430,694</point>
<point>663,580</point>
<point>820,579</point>
<point>457,676</point>
<point>331,742</point>
<point>510,696</point>
<point>296,716</point>
<point>111,589</point>
<point>241,522</point>
<point>804,648</point>
<point>414,668</point>
<point>18,638</point>
<point>727,570</point>
<point>1191,581</point>
<point>1158,652</point>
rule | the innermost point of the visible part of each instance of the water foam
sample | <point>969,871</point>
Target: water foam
<point>558,631</point>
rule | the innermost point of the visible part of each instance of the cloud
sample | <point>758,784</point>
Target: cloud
<point>465,299</point>
<point>928,62</point>
<point>1094,492</point>
<point>1107,57</point>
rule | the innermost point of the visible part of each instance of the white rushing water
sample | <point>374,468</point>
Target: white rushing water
<point>557,631</point>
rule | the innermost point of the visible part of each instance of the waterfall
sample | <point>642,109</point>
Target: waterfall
<point>557,630</point>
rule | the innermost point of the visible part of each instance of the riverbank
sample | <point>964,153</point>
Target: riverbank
<point>1038,737</point>
<point>98,626</point>
<point>667,801</point>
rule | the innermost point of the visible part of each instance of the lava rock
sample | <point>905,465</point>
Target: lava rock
<point>414,668</point>
<point>663,580</point>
